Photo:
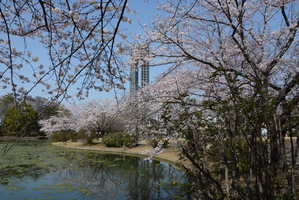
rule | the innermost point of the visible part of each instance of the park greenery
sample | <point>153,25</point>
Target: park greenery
<point>120,140</point>
<point>229,96</point>
<point>20,118</point>
<point>16,118</point>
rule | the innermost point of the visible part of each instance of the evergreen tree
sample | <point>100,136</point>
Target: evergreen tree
<point>6,101</point>
<point>21,120</point>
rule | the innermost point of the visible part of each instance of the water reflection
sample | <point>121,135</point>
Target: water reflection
<point>113,177</point>
<point>58,173</point>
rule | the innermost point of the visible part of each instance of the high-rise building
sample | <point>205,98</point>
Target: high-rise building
<point>144,74</point>
<point>134,78</point>
<point>140,60</point>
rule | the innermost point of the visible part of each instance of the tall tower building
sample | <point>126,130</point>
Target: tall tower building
<point>134,78</point>
<point>145,65</point>
<point>140,56</point>
<point>145,74</point>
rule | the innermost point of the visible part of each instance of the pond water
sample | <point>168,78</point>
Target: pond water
<point>38,171</point>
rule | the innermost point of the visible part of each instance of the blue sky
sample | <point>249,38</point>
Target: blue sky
<point>146,11</point>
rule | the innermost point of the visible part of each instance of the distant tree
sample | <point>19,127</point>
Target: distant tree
<point>102,115</point>
<point>44,107</point>
<point>90,119</point>
<point>21,121</point>
<point>6,101</point>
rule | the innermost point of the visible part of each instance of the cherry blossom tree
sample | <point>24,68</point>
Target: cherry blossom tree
<point>244,56</point>
<point>102,115</point>
<point>80,39</point>
<point>98,117</point>
<point>149,101</point>
<point>63,122</point>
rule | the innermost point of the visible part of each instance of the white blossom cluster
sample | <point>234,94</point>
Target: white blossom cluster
<point>76,41</point>
<point>96,115</point>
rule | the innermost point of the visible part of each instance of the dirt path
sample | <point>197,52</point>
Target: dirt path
<point>170,154</point>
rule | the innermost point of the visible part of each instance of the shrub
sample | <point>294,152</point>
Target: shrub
<point>59,137</point>
<point>120,139</point>
<point>154,142</point>
<point>87,137</point>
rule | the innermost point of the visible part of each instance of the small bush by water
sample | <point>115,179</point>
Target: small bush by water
<point>154,142</point>
<point>60,136</point>
<point>86,137</point>
<point>120,139</point>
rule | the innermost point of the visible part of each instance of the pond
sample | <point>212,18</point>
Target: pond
<point>36,170</point>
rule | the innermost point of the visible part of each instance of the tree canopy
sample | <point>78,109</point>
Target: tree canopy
<point>79,39</point>
<point>21,121</point>
<point>231,94</point>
